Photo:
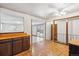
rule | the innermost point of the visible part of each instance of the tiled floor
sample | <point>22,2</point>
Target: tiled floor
<point>46,48</point>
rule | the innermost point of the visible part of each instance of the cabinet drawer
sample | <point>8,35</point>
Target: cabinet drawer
<point>73,50</point>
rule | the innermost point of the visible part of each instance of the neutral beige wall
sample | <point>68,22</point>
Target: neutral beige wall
<point>48,30</point>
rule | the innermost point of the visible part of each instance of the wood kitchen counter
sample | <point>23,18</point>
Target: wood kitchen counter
<point>12,35</point>
<point>74,42</point>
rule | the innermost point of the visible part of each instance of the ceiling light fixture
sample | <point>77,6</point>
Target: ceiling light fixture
<point>60,13</point>
<point>57,14</point>
<point>63,13</point>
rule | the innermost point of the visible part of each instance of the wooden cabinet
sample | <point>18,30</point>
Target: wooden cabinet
<point>5,47</point>
<point>17,45</point>
<point>73,50</point>
<point>73,47</point>
<point>13,46</point>
<point>26,43</point>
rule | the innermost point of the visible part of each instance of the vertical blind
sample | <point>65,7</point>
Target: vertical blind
<point>61,31</point>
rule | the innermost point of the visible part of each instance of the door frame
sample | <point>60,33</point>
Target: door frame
<point>31,31</point>
<point>66,30</point>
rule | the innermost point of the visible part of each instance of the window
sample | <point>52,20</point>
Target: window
<point>10,23</point>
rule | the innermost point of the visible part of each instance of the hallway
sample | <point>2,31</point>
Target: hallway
<point>46,48</point>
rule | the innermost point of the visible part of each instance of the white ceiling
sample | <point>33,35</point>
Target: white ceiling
<point>43,10</point>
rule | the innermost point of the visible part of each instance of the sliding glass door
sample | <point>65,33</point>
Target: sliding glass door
<point>61,31</point>
<point>67,29</point>
<point>74,29</point>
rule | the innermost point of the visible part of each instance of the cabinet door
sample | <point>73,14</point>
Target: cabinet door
<point>5,47</point>
<point>17,45</point>
<point>26,43</point>
<point>73,50</point>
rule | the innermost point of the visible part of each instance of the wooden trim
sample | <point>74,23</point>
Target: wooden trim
<point>66,32</point>
<point>11,32</point>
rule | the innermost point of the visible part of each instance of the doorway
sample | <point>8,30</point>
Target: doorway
<point>38,31</point>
